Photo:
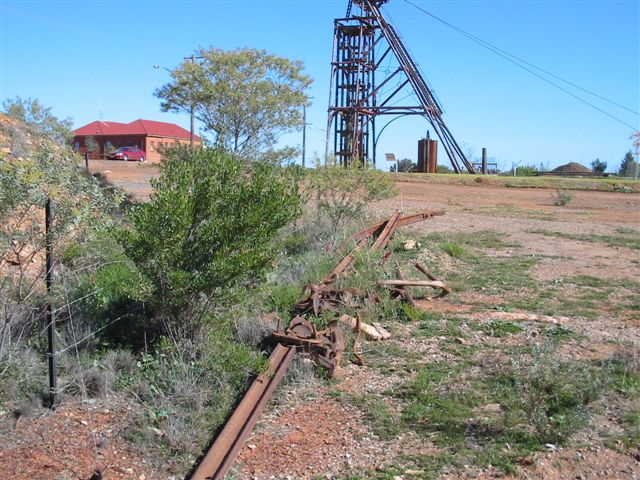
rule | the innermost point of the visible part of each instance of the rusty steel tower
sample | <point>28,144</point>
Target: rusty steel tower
<point>373,74</point>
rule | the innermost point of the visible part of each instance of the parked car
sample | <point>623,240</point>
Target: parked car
<point>128,153</point>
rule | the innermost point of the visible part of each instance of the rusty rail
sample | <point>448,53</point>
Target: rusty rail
<point>327,348</point>
<point>220,457</point>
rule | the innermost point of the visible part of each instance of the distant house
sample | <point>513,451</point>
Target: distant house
<point>148,135</point>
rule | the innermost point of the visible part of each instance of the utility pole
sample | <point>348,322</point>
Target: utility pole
<point>485,166</point>
<point>193,58</point>
<point>49,319</point>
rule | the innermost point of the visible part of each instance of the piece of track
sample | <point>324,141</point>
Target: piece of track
<point>220,457</point>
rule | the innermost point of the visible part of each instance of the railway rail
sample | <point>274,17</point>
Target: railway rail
<point>325,348</point>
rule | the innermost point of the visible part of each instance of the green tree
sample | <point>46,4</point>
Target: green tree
<point>246,97</point>
<point>92,144</point>
<point>39,119</point>
<point>598,166</point>
<point>628,165</point>
<point>404,165</point>
<point>635,137</point>
<point>209,225</point>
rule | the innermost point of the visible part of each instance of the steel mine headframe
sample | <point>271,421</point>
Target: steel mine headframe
<point>373,74</point>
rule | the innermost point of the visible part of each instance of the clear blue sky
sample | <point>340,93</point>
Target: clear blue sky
<point>94,59</point>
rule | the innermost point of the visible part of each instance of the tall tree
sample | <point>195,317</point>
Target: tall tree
<point>246,97</point>
<point>635,138</point>
<point>39,118</point>
<point>628,165</point>
<point>598,166</point>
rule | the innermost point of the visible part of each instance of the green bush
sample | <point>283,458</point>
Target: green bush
<point>526,171</point>
<point>343,193</point>
<point>80,210</point>
<point>561,198</point>
<point>209,226</point>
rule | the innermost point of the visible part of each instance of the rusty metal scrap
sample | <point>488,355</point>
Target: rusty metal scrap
<point>403,221</point>
<point>403,291</point>
<point>325,347</point>
<point>446,290</point>
<point>319,297</point>
<point>401,286</point>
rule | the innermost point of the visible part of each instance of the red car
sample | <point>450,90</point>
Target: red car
<point>128,153</point>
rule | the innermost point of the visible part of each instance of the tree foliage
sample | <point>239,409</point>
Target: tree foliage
<point>209,225</point>
<point>405,165</point>
<point>635,138</point>
<point>628,165</point>
<point>246,97</point>
<point>39,119</point>
<point>80,210</point>
<point>91,144</point>
<point>598,166</point>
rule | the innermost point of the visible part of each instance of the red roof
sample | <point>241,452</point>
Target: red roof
<point>137,127</point>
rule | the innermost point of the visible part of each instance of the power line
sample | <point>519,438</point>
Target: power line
<point>515,60</point>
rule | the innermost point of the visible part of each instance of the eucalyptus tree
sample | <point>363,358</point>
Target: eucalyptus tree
<point>246,98</point>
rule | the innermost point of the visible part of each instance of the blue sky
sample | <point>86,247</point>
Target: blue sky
<point>94,59</point>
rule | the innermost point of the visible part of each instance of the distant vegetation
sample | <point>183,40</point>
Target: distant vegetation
<point>245,97</point>
<point>38,119</point>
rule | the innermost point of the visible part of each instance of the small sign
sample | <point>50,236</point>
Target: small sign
<point>390,157</point>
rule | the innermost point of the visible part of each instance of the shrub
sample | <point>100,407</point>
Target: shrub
<point>343,193</point>
<point>526,171</point>
<point>80,208</point>
<point>561,198</point>
<point>208,227</point>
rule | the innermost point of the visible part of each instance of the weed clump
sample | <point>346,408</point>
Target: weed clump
<point>561,198</point>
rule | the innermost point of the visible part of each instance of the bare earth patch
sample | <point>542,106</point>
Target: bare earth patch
<point>72,443</point>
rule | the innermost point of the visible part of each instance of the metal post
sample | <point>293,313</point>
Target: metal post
<point>485,167</point>
<point>426,152</point>
<point>193,58</point>
<point>49,319</point>
<point>193,112</point>
<point>304,134</point>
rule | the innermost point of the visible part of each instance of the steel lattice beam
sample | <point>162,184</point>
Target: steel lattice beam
<point>361,90</point>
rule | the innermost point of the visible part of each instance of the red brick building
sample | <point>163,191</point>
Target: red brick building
<point>148,135</point>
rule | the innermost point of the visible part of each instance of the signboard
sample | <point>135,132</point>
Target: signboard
<point>390,157</point>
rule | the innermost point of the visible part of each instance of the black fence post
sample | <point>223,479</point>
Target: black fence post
<point>49,318</point>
